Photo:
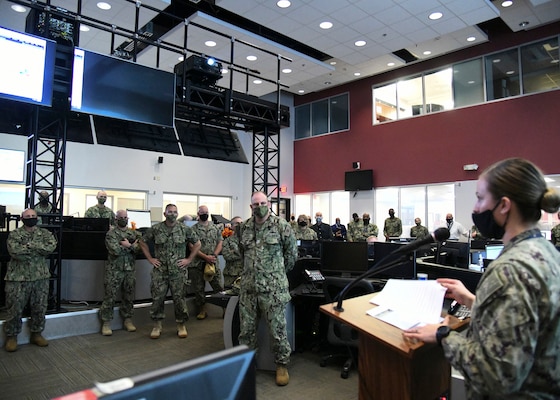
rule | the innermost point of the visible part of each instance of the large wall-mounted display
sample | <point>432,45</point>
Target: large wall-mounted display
<point>112,87</point>
<point>27,67</point>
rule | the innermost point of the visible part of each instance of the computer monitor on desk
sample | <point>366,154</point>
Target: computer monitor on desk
<point>383,254</point>
<point>453,254</point>
<point>469,277</point>
<point>309,248</point>
<point>344,258</point>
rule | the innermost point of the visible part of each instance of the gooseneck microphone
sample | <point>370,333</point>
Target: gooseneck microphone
<point>439,235</point>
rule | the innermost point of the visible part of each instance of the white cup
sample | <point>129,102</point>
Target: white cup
<point>422,277</point>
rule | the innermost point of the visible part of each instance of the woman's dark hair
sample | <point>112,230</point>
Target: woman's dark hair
<point>523,183</point>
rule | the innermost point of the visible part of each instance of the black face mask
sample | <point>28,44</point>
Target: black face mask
<point>30,222</point>
<point>44,202</point>
<point>302,223</point>
<point>487,225</point>
<point>356,219</point>
<point>366,221</point>
<point>203,217</point>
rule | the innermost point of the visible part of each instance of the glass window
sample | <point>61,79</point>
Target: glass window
<point>502,75</point>
<point>338,113</point>
<point>187,204</point>
<point>441,200</point>
<point>409,97</point>
<point>321,203</point>
<point>385,199</point>
<point>340,207</point>
<point>216,205</point>
<point>320,117</point>
<point>78,200</point>
<point>468,83</point>
<point>413,205</point>
<point>303,121</point>
<point>385,103</point>
<point>303,205</point>
<point>438,91</point>
<point>540,66</point>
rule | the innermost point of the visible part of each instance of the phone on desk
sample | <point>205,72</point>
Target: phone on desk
<point>313,275</point>
<point>460,311</point>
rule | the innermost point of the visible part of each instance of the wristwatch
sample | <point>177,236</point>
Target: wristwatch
<point>442,332</point>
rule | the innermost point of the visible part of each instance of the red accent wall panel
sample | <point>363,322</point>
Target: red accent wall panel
<point>431,148</point>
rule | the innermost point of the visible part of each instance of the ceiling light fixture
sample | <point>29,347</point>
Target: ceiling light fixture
<point>84,28</point>
<point>18,8</point>
<point>357,74</point>
<point>287,70</point>
<point>104,6</point>
<point>427,53</point>
<point>523,24</point>
<point>435,15</point>
<point>333,63</point>
<point>257,81</point>
<point>471,39</point>
<point>210,43</point>
<point>251,58</point>
<point>391,64</point>
<point>283,3</point>
<point>360,43</point>
<point>224,71</point>
<point>326,25</point>
<point>507,3</point>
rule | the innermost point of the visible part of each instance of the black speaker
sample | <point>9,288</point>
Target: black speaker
<point>160,160</point>
<point>356,165</point>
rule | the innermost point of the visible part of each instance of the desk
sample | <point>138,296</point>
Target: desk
<point>389,367</point>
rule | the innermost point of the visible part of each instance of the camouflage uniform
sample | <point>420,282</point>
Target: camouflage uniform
<point>555,235</point>
<point>120,273</point>
<point>512,346</point>
<point>170,245</point>
<point>234,262</point>
<point>269,252</point>
<point>305,233</point>
<point>392,227</point>
<point>364,232</point>
<point>209,235</point>
<point>354,232</point>
<point>27,278</point>
<point>101,212</point>
<point>42,209</point>
<point>419,232</point>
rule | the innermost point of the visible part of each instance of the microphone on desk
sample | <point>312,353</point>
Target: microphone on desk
<point>439,235</point>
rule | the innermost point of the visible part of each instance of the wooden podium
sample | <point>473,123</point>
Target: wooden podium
<point>389,366</point>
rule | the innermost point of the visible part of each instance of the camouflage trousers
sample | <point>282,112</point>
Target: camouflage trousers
<point>251,308</point>
<point>197,282</point>
<point>161,283</point>
<point>18,293</point>
<point>118,281</point>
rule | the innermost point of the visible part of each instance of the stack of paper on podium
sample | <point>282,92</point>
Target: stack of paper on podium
<point>409,303</point>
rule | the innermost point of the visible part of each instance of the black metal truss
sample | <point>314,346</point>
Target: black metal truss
<point>266,162</point>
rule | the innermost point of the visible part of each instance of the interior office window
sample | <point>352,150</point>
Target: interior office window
<point>438,91</point>
<point>413,205</point>
<point>468,83</point>
<point>540,66</point>
<point>186,204</point>
<point>321,203</point>
<point>303,121</point>
<point>13,197</point>
<point>502,74</point>
<point>320,117</point>
<point>384,199</point>
<point>339,109</point>
<point>385,103</point>
<point>340,207</point>
<point>410,97</point>
<point>78,200</point>
<point>217,205</point>
<point>12,165</point>
<point>302,205</point>
<point>441,200</point>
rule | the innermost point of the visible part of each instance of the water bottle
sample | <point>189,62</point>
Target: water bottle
<point>480,262</point>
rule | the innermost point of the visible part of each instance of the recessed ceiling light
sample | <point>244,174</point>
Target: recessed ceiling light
<point>18,8</point>
<point>523,24</point>
<point>104,6</point>
<point>257,81</point>
<point>287,70</point>
<point>360,43</point>
<point>554,62</point>
<point>224,70</point>
<point>510,72</point>
<point>435,15</point>
<point>210,43</point>
<point>181,58</point>
<point>507,3</point>
<point>325,25</point>
<point>391,64</point>
<point>84,28</point>
<point>252,58</point>
<point>471,39</point>
<point>333,63</point>
<point>301,91</point>
<point>357,74</point>
<point>283,3</point>
<point>470,82</point>
<point>496,60</point>
<point>427,53</point>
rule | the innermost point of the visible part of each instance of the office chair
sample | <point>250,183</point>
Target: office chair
<point>338,333</point>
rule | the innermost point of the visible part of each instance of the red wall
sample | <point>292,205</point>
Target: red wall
<point>432,148</point>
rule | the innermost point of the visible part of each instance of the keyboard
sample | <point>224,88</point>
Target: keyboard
<point>459,311</point>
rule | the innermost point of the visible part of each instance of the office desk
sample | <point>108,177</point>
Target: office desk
<point>389,366</point>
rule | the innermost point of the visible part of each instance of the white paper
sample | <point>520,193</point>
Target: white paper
<point>408,303</point>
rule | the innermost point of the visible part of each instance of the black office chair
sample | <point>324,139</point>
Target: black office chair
<point>340,334</point>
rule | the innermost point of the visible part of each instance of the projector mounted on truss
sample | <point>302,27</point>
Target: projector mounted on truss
<point>199,70</point>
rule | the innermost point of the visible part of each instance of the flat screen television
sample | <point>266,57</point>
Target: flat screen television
<point>27,67</point>
<point>344,258</point>
<point>361,179</point>
<point>116,88</point>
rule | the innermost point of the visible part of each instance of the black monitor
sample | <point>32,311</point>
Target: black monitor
<point>228,374</point>
<point>358,180</point>
<point>383,254</point>
<point>454,254</point>
<point>86,224</point>
<point>309,248</point>
<point>344,258</point>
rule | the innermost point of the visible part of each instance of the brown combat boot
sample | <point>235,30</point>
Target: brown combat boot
<point>202,314</point>
<point>106,329</point>
<point>181,330</point>
<point>156,330</point>
<point>11,344</point>
<point>128,325</point>
<point>38,339</point>
<point>282,376</point>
